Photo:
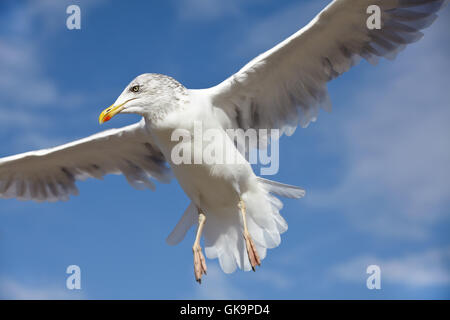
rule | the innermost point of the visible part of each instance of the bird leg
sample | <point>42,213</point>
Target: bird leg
<point>199,259</point>
<point>250,245</point>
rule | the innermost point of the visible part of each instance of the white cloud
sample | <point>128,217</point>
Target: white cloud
<point>220,286</point>
<point>274,278</point>
<point>217,286</point>
<point>12,290</point>
<point>428,268</point>
<point>210,9</point>
<point>206,9</point>
<point>25,86</point>
<point>23,81</point>
<point>276,27</point>
<point>38,140</point>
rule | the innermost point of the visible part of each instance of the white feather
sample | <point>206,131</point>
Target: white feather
<point>186,222</point>
<point>50,174</point>
<point>287,85</point>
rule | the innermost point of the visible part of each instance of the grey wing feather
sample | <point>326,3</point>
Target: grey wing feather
<point>50,174</point>
<point>287,85</point>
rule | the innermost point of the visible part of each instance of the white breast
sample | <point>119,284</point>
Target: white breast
<point>210,179</point>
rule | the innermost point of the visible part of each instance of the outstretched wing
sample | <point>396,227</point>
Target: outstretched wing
<point>286,85</point>
<point>50,174</point>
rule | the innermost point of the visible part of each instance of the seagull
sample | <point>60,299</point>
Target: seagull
<point>236,212</point>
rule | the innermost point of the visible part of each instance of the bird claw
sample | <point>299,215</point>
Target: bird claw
<point>251,251</point>
<point>199,264</point>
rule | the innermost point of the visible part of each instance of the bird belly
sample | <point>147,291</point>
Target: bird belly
<point>213,186</point>
<point>212,173</point>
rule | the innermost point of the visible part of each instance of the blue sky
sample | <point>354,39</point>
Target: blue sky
<point>376,169</point>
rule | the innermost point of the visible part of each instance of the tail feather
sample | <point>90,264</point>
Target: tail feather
<point>182,227</point>
<point>223,231</point>
<point>282,190</point>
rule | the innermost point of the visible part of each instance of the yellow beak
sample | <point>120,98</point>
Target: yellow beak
<point>110,112</point>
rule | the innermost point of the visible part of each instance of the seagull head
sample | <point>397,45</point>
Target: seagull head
<point>145,95</point>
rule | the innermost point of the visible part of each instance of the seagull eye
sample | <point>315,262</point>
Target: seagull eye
<point>135,88</point>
